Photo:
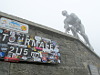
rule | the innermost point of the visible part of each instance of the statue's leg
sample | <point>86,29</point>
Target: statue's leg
<point>67,29</point>
<point>74,32</point>
<point>82,33</point>
<point>85,38</point>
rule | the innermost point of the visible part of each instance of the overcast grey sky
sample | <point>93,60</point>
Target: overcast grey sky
<point>48,13</point>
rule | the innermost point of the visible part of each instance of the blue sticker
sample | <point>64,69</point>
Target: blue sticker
<point>2,54</point>
<point>15,23</point>
<point>1,31</point>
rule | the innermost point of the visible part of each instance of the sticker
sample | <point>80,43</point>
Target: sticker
<point>13,25</point>
<point>24,57</point>
<point>1,31</point>
<point>14,55</point>
<point>2,54</point>
<point>44,59</point>
<point>29,46</point>
<point>3,21</point>
<point>6,31</point>
<point>51,57</point>
<point>24,28</point>
<point>12,39</point>
<point>4,49</point>
<point>37,38</point>
<point>3,45</point>
<point>38,48</point>
<point>46,50</point>
<point>37,59</point>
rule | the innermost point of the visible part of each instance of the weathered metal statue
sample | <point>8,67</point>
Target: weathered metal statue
<point>73,23</point>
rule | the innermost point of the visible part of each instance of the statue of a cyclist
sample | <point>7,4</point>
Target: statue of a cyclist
<point>73,23</point>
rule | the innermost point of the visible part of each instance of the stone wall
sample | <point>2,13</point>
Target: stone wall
<point>75,55</point>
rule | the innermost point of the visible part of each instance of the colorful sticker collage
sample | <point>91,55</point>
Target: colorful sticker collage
<point>15,47</point>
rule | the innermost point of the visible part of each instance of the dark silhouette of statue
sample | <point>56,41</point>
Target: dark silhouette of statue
<point>73,23</point>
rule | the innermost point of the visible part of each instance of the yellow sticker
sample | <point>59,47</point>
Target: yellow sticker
<point>24,28</point>
<point>29,46</point>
